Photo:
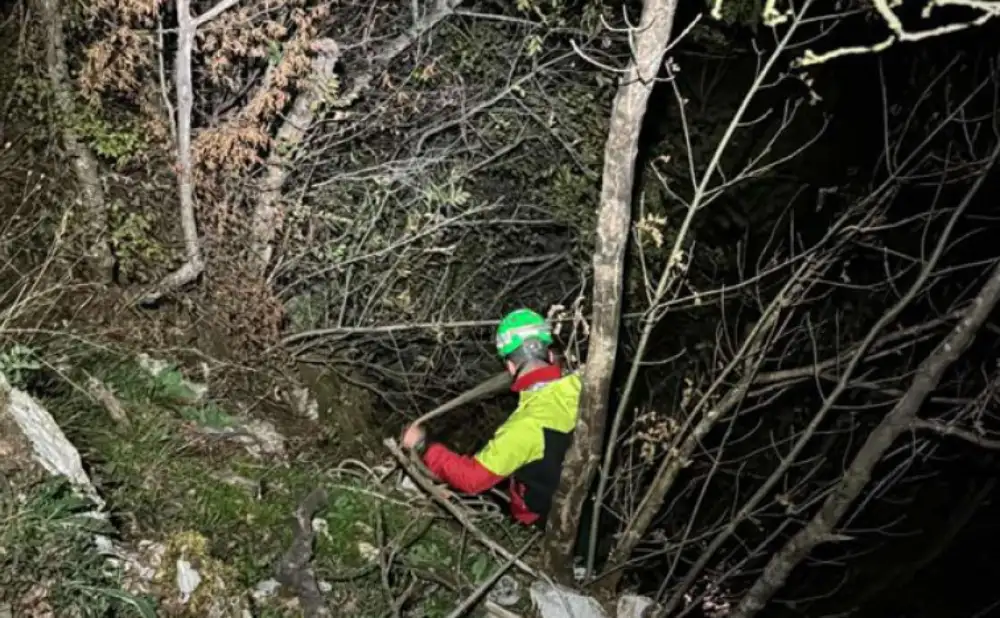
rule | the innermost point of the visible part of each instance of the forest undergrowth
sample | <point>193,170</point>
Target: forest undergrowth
<point>179,486</point>
<point>243,244</point>
<point>174,447</point>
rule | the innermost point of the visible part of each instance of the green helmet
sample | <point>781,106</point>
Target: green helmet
<point>520,326</point>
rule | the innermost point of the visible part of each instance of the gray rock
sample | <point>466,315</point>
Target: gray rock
<point>52,450</point>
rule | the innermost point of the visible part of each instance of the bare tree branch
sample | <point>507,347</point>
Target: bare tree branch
<point>899,32</point>
<point>388,53</point>
<point>949,430</point>
<point>899,420</point>
<point>213,12</point>
<point>421,480</point>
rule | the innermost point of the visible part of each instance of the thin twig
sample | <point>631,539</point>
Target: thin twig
<point>483,588</point>
<point>957,432</point>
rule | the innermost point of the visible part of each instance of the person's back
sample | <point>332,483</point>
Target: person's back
<point>529,447</point>
<point>533,441</point>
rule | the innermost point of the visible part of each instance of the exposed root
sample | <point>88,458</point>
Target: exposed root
<point>294,569</point>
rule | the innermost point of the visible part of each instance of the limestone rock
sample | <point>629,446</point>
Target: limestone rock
<point>633,606</point>
<point>304,402</point>
<point>51,449</point>
<point>554,601</point>
<point>506,592</point>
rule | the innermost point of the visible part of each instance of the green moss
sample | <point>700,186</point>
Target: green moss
<point>208,415</point>
<point>119,142</point>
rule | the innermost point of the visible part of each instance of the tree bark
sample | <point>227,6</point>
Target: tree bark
<point>613,220</point>
<point>91,197</point>
<point>898,421</point>
<point>269,212</point>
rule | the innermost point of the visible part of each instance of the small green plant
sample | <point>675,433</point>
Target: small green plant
<point>448,193</point>
<point>31,95</point>
<point>48,561</point>
<point>133,241</point>
<point>172,385</point>
<point>118,144</point>
<point>209,415</point>
<point>18,362</point>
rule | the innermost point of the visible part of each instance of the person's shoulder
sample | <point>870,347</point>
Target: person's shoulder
<point>570,381</point>
<point>571,377</point>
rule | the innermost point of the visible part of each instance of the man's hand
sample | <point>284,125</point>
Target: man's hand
<point>413,437</point>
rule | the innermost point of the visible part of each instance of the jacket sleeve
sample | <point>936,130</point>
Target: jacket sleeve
<point>513,445</point>
<point>459,471</point>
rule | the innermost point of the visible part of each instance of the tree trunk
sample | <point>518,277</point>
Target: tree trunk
<point>187,28</point>
<point>184,87</point>
<point>613,220</point>
<point>269,212</point>
<point>672,464</point>
<point>896,422</point>
<point>94,213</point>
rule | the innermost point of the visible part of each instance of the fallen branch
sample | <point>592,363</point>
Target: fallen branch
<point>294,569</point>
<point>436,495</point>
<point>388,328</point>
<point>497,611</point>
<point>103,395</point>
<point>411,591</point>
<point>409,326</point>
<point>496,384</point>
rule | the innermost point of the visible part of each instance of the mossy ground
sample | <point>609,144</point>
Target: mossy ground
<point>165,481</point>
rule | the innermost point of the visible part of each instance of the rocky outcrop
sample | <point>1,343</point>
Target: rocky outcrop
<point>49,447</point>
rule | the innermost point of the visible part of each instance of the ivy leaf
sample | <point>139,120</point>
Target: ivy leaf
<point>534,45</point>
<point>479,568</point>
<point>274,52</point>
